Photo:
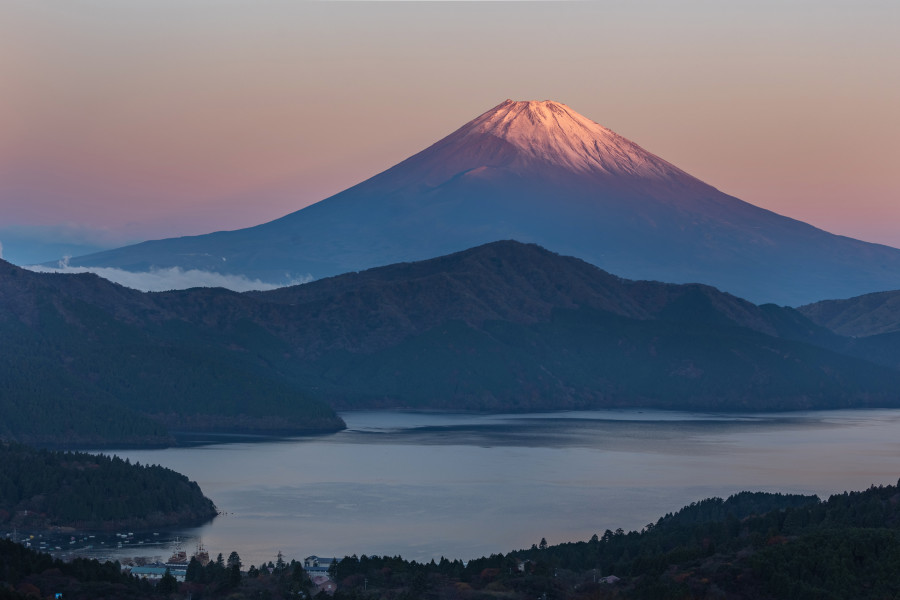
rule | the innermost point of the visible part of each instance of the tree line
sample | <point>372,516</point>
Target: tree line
<point>46,488</point>
<point>750,545</point>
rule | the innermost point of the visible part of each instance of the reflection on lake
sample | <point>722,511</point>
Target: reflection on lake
<point>424,485</point>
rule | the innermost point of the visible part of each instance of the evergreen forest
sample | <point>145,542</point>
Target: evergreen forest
<point>749,546</point>
<point>40,489</point>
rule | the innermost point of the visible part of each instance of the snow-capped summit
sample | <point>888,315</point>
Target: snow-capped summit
<point>553,133</point>
<point>543,140</point>
<point>540,172</point>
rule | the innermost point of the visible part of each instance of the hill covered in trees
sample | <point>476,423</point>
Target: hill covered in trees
<point>501,327</point>
<point>26,575</point>
<point>43,488</point>
<point>85,362</point>
<point>871,324</point>
<point>750,546</point>
<point>860,316</point>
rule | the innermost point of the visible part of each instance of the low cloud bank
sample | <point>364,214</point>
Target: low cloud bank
<point>172,278</point>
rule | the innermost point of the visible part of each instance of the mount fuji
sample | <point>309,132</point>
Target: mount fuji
<point>540,172</point>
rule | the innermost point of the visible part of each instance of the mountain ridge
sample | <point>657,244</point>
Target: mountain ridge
<point>559,180</point>
<point>89,363</point>
<point>861,316</point>
<point>501,327</point>
<point>513,269</point>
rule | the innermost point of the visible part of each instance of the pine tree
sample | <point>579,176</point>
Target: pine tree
<point>234,575</point>
<point>168,584</point>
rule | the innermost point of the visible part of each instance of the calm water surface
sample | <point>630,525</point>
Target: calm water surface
<point>463,486</point>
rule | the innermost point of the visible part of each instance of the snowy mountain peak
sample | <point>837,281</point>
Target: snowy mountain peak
<point>540,172</point>
<point>551,132</point>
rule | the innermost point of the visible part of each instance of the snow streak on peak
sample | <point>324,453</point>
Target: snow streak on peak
<point>551,132</point>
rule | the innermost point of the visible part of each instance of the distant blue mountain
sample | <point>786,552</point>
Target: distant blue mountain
<point>30,245</point>
<point>539,172</point>
<point>500,327</point>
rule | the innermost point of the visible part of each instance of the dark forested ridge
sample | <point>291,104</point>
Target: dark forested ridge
<point>85,362</point>
<point>752,545</point>
<point>870,322</point>
<point>26,574</point>
<point>749,546</point>
<point>505,326</point>
<point>511,326</point>
<point>861,316</point>
<point>43,488</point>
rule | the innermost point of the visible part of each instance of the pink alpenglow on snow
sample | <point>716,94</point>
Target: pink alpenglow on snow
<point>551,132</point>
<point>539,172</point>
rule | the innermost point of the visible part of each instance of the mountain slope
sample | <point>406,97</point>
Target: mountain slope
<point>540,172</point>
<point>85,362</point>
<point>871,321</point>
<point>504,281</point>
<point>511,326</point>
<point>504,326</point>
<point>862,316</point>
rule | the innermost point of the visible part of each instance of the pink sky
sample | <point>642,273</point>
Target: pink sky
<point>147,119</point>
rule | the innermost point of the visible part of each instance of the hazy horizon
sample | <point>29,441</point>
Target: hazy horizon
<point>127,122</point>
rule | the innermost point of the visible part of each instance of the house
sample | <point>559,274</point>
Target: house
<point>320,580</point>
<point>317,564</point>
<point>155,572</point>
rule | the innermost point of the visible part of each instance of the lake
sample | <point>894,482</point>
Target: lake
<point>426,485</point>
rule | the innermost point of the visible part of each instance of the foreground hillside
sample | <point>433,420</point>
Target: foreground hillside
<point>40,489</point>
<point>759,546</point>
<point>505,326</point>
<point>26,574</point>
<point>750,546</point>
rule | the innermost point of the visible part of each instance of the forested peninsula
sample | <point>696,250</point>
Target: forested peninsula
<point>750,546</point>
<point>41,489</point>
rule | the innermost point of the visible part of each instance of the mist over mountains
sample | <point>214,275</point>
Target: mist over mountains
<point>501,327</point>
<point>539,172</point>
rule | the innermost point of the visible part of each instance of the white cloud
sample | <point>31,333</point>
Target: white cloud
<point>173,278</point>
<point>1,249</point>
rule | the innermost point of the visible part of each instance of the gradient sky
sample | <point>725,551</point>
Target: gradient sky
<point>128,120</point>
